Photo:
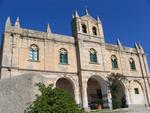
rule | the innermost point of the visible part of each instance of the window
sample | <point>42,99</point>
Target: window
<point>34,53</point>
<point>114,62</point>
<point>84,29</point>
<point>136,90</point>
<point>93,56</point>
<point>63,56</point>
<point>94,31</point>
<point>132,64</point>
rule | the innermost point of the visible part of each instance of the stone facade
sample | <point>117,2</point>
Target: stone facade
<point>87,34</point>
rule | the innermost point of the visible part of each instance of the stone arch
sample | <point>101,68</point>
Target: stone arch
<point>119,95</point>
<point>137,93</point>
<point>118,90</point>
<point>69,78</point>
<point>95,76</point>
<point>139,82</point>
<point>71,84</point>
<point>126,84</point>
<point>97,90</point>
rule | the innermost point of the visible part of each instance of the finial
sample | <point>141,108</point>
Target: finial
<point>140,46</point>
<point>142,50</point>
<point>76,14</point>
<point>72,16</point>
<point>8,24</point>
<point>118,42</point>
<point>98,19</point>
<point>17,23</point>
<point>86,11</point>
<point>48,29</point>
<point>136,46</point>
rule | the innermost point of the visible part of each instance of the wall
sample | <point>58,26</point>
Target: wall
<point>16,92</point>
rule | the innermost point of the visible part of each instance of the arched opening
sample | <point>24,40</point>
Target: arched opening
<point>137,95</point>
<point>118,95</point>
<point>97,93</point>
<point>94,30</point>
<point>65,85</point>
<point>84,28</point>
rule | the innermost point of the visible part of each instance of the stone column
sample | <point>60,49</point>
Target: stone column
<point>130,97</point>
<point>127,97</point>
<point>109,99</point>
<point>76,95</point>
<point>85,99</point>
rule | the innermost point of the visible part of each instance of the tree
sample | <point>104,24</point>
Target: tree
<point>52,100</point>
<point>115,84</point>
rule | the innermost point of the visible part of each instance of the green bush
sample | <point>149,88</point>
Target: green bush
<point>53,100</point>
<point>116,102</point>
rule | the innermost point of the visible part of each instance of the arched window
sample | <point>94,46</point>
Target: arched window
<point>84,28</point>
<point>114,61</point>
<point>94,30</point>
<point>132,64</point>
<point>63,56</point>
<point>34,52</point>
<point>93,56</point>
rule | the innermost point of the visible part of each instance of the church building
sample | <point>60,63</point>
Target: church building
<point>81,64</point>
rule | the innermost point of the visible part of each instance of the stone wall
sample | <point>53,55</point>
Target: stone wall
<point>16,92</point>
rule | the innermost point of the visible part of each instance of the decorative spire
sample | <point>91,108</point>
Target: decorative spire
<point>17,23</point>
<point>49,29</point>
<point>86,12</point>
<point>118,42</point>
<point>72,16</point>
<point>137,47</point>
<point>141,48</point>
<point>98,19</point>
<point>8,24</point>
<point>76,14</point>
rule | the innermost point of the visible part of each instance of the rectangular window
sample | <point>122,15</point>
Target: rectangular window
<point>136,90</point>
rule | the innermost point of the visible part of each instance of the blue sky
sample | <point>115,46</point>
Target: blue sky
<point>128,20</point>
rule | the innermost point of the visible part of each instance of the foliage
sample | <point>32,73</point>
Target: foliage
<point>115,85</point>
<point>99,101</point>
<point>52,100</point>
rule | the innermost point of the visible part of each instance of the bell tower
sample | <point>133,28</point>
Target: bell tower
<point>87,28</point>
<point>88,34</point>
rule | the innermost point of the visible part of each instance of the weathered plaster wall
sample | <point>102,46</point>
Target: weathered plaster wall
<point>16,92</point>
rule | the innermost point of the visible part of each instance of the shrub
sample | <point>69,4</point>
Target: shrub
<point>53,100</point>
